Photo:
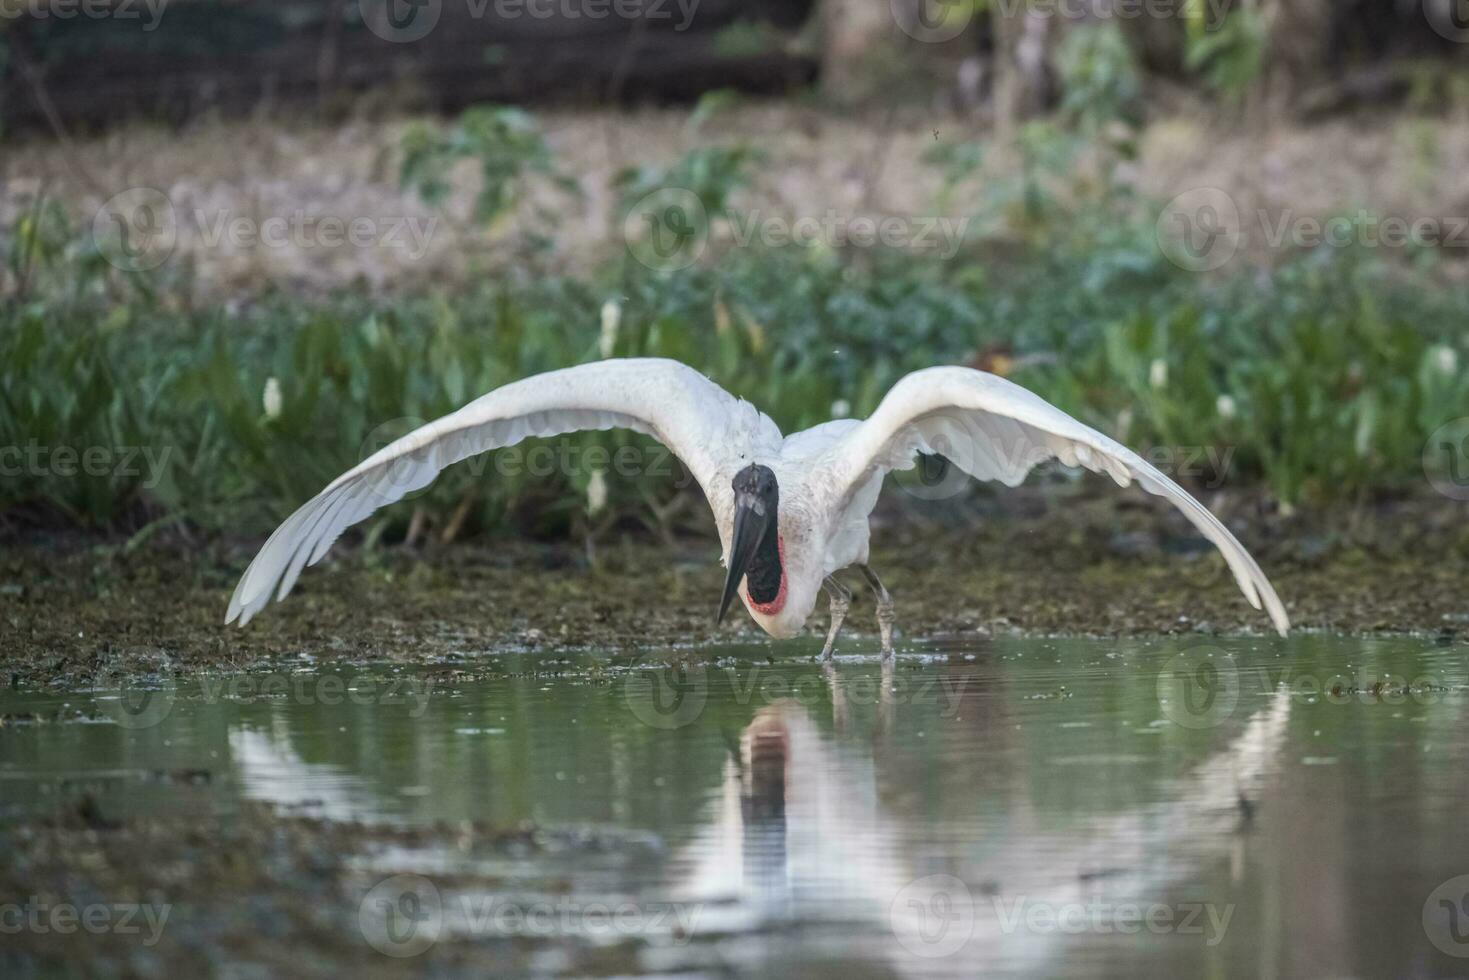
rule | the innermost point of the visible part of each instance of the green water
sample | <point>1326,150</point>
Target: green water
<point>1020,807</point>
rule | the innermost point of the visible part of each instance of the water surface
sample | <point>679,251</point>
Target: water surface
<point>1018,807</point>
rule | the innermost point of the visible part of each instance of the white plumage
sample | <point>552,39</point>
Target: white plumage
<point>828,476</point>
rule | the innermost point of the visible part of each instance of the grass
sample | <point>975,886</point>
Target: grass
<point>1318,379</point>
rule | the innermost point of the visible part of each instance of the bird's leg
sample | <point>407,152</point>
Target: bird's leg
<point>841,601</point>
<point>885,614</point>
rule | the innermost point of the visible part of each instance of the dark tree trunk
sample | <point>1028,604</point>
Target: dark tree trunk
<point>228,56</point>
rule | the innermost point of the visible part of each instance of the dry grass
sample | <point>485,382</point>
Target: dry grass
<point>815,161</point>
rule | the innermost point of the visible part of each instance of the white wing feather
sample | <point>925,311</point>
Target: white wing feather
<point>705,426</point>
<point>993,429</point>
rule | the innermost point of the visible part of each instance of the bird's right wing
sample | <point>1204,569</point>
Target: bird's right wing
<point>994,429</point>
<point>713,432</point>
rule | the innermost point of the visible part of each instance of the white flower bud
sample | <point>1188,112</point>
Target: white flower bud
<point>611,317</point>
<point>596,493</point>
<point>271,398</point>
<point>1446,359</point>
<point>1158,373</point>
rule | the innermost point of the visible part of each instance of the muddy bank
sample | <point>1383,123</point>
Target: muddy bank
<point>171,889</point>
<point>1078,563</point>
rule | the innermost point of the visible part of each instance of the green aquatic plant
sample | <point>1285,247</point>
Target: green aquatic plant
<point>1318,378</point>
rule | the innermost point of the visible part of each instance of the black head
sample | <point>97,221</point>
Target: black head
<point>758,482</point>
<point>754,548</point>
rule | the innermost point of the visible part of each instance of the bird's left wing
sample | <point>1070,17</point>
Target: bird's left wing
<point>699,421</point>
<point>993,429</point>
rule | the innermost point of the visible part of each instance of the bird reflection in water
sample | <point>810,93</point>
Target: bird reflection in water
<point>786,836</point>
<point>801,849</point>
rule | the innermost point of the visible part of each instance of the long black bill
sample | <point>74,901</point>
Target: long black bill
<point>751,522</point>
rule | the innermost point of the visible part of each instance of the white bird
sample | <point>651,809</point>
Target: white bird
<point>791,511</point>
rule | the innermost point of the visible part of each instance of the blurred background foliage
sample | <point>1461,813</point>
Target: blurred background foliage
<point>1322,373</point>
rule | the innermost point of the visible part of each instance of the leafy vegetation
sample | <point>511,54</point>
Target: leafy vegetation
<point>1319,378</point>
<point>712,173</point>
<point>511,154</point>
<point>1228,56</point>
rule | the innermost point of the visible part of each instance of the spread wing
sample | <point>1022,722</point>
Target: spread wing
<point>995,430</point>
<point>705,426</point>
